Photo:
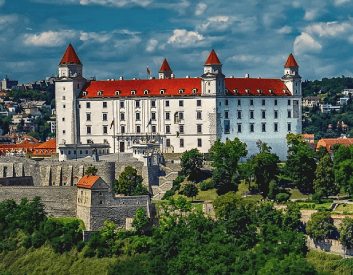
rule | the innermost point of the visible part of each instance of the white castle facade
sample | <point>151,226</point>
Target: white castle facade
<point>177,114</point>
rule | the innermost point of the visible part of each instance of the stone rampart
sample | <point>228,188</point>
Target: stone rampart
<point>58,201</point>
<point>329,246</point>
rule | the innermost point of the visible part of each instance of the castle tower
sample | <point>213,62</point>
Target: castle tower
<point>67,89</point>
<point>165,71</point>
<point>213,80</point>
<point>291,77</point>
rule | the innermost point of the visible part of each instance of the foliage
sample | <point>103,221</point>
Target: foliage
<point>321,152</point>
<point>324,182</point>
<point>265,168</point>
<point>320,226</point>
<point>91,171</point>
<point>129,183</point>
<point>191,164</point>
<point>223,203</point>
<point>343,160</point>
<point>189,190</point>
<point>141,220</point>
<point>246,170</point>
<point>206,185</point>
<point>346,232</point>
<point>300,165</point>
<point>225,159</point>
<point>282,197</point>
<point>168,194</point>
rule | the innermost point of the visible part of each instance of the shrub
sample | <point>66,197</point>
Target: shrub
<point>179,179</point>
<point>168,194</point>
<point>321,209</point>
<point>206,185</point>
<point>282,197</point>
<point>317,197</point>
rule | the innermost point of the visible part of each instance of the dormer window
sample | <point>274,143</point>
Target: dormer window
<point>84,93</point>
<point>117,92</point>
<point>181,91</point>
<point>259,91</point>
<point>162,92</point>
<point>235,91</point>
<point>194,91</point>
<point>285,91</point>
<point>247,91</point>
<point>133,92</point>
<point>146,92</point>
<point>100,93</point>
<point>271,91</point>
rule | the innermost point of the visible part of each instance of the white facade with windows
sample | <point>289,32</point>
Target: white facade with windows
<point>177,114</point>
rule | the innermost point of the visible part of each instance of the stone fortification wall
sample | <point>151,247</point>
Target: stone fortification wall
<point>54,173</point>
<point>58,201</point>
<point>118,211</point>
<point>329,246</point>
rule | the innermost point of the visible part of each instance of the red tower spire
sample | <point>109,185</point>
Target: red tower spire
<point>291,62</point>
<point>70,57</point>
<point>213,59</point>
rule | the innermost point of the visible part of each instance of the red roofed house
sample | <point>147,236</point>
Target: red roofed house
<point>179,113</point>
<point>330,142</point>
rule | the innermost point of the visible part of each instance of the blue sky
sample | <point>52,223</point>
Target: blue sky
<point>116,38</point>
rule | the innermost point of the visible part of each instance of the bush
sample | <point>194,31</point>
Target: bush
<point>179,179</point>
<point>321,209</point>
<point>206,185</point>
<point>282,197</point>
<point>168,194</point>
<point>317,197</point>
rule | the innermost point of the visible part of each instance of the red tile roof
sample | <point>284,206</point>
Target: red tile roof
<point>50,144</point>
<point>165,67</point>
<point>152,87</point>
<point>70,56</point>
<point>291,62</point>
<point>87,181</point>
<point>256,87</point>
<point>307,136</point>
<point>213,59</point>
<point>330,142</point>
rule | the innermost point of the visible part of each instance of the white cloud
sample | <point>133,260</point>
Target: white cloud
<point>2,2</point>
<point>218,23</point>
<point>116,3</point>
<point>305,43</point>
<point>330,29</point>
<point>341,2</point>
<point>200,8</point>
<point>49,38</point>
<point>100,37</point>
<point>151,45</point>
<point>285,30</point>
<point>184,38</point>
<point>8,19</point>
<point>245,58</point>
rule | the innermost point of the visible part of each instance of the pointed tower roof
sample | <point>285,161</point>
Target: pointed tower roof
<point>291,62</point>
<point>165,67</point>
<point>213,59</point>
<point>70,57</point>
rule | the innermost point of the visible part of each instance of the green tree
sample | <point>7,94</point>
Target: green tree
<point>191,164</point>
<point>141,220</point>
<point>324,182</point>
<point>247,170</point>
<point>190,190</point>
<point>346,232</point>
<point>128,181</point>
<point>344,175</point>
<point>321,152</point>
<point>300,164</point>
<point>320,226</point>
<point>225,159</point>
<point>91,171</point>
<point>265,168</point>
<point>223,203</point>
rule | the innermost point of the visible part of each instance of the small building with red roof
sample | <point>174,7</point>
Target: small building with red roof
<point>177,114</point>
<point>329,143</point>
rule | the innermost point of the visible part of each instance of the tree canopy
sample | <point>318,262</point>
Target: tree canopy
<point>191,164</point>
<point>129,183</point>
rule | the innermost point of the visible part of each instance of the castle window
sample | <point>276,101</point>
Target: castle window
<point>247,91</point>
<point>289,127</point>
<point>199,115</point>
<point>104,104</point>
<point>78,86</point>
<point>167,103</point>
<point>181,91</point>
<point>64,106</point>
<point>117,92</point>
<point>252,114</point>
<point>251,102</point>
<point>167,129</point>
<point>153,116</point>
<point>199,128</point>
<point>276,102</point>
<point>80,152</point>
<point>285,91</point>
<point>167,116</point>
<point>68,152</point>
<point>251,127</point>
<point>100,202</point>
<point>181,129</point>
<point>146,92</point>
<point>275,114</point>
<point>162,92</point>
<point>64,98</point>
<point>153,128</point>
<point>122,116</point>
<point>239,102</point>
<point>226,114</point>
<point>138,129</point>
<point>226,102</point>
<point>259,91</point>
<point>235,91</point>
<point>88,105</point>
<point>181,103</point>
<point>153,103</point>
<point>194,91</point>
<point>198,102</point>
<point>88,116</point>
<point>100,93</point>
<point>64,131</point>
<point>122,129</point>
<point>105,117</point>
<point>271,91</point>
<point>288,102</point>
<point>181,143</point>
<point>263,126</point>
<point>226,126</point>
<point>167,142</point>
<point>105,129</point>
<point>276,127</point>
<point>100,194</point>
<point>239,128</point>
<point>199,142</point>
<point>239,114</point>
<point>133,92</point>
<point>86,152</point>
<point>263,114</point>
<point>181,115</point>
<point>289,114</point>
<point>88,129</point>
<point>263,102</point>
<point>137,116</point>
<point>63,119</point>
<point>121,104</point>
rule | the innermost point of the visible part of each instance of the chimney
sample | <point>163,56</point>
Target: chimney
<point>172,76</point>
<point>247,75</point>
<point>232,76</point>
<point>121,78</point>
<point>188,76</point>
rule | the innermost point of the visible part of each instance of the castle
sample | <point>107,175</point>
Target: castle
<point>176,114</point>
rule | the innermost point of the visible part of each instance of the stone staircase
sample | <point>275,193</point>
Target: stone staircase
<point>165,182</point>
